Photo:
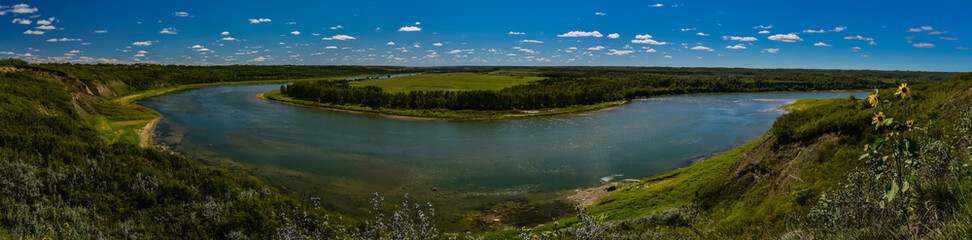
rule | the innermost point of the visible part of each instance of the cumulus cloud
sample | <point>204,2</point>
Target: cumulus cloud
<point>409,29</point>
<point>648,41</point>
<point>516,33</point>
<point>927,28</point>
<point>839,29</point>
<point>619,52</point>
<point>181,14</point>
<point>64,40</point>
<point>702,34</point>
<point>295,33</point>
<point>341,37</point>
<point>337,27</point>
<point>737,46</point>
<point>914,30</point>
<point>437,44</point>
<point>22,9</point>
<point>790,38</point>
<point>172,31</point>
<point>645,36</point>
<point>46,27</point>
<point>259,20</point>
<point>764,32</point>
<point>614,35</point>
<point>600,13</point>
<point>47,21</point>
<point>596,48</point>
<point>581,34</point>
<point>144,43</point>
<point>330,47</point>
<point>770,50</point>
<point>702,48</point>
<point>32,32</point>
<point>743,39</point>
<point>923,45</point>
<point>22,21</point>
<point>229,39</point>
<point>821,44</point>
<point>258,59</point>
<point>763,27</point>
<point>390,43</point>
<point>531,41</point>
<point>814,31</point>
<point>656,5</point>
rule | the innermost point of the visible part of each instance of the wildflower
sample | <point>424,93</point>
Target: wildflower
<point>878,119</point>
<point>910,123</point>
<point>904,91</point>
<point>867,147</point>
<point>535,237</point>
<point>66,225</point>
<point>873,100</point>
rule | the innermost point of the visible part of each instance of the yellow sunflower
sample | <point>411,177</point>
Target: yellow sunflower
<point>66,225</point>
<point>867,147</point>
<point>873,100</point>
<point>878,119</point>
<point>904,91</point>
<point>910,123</point>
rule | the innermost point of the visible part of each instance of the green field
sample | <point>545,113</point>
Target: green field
<point>452,81</point>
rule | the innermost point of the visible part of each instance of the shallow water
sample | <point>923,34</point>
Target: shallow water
<point>348,156</point>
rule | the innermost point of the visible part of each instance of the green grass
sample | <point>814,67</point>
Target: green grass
<point>665,191</point>
<point>120,131</point>
<point>804,104</point>
<point>452,81</point>
<point>439,114</point>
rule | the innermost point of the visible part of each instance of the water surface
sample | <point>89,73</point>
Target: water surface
<point>347,156</point>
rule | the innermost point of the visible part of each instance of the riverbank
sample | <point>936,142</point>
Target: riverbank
<point>145,135</point>
<point>439,114</point>
<point>160,91</point>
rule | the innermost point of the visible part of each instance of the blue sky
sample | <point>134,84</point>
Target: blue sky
<point>895,35</point>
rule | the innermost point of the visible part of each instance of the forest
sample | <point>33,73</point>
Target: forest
<point>570,86</point>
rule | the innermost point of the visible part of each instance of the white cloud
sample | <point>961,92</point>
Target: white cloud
<point>516,33</point>
<point>702,34</point>
<point>619,52</point>
<point>770,50</point>
<point>737,46</point>
<point>923,45</point>
<point>687,29</point>
<point>47,21</point>
<point>962,48</point>
<point>330,47</point>
<point>229,39</point>
<point>656,5</point>
<point>763,27</point>
<point>821,44</point>
<point>337,27</point>
<point>935,33</point>
<point>145,43</point>
<point>258,59</point>
<point>437,44</point>
<point>858,37</point>
<point>786,38</point>
<point>180,14</point>
<point>169,31</point>
<point>64,40</point>
<point>581,34</point>
<point>100,31</point>
<point>409,29</point>
<point>839,29</point>
<point>596,48</point>
<point>855,49</point>
<point>668,56</point>
<point>390,43</point>
<point>926,28</point>
<point>702,48</point>
<point>46,27</point>
<point>764,32</point>
<point>32,32</point>
<point>22,21</point>
<point>197,46</point>
<point>600,13</point>
<point>645,36</point>
<point>744,39</point>
<point>948,38</point>
<point>341,37</point>
<point>614,35</point>
<point>259,20</point>
<point>224,33</point>
<point>455,51</point>
<point>814,31</point>
<point>648,41</point>
<point>22,8</point>
<point>531,41</point>
<point>914,30</point>
<point>295,33</point>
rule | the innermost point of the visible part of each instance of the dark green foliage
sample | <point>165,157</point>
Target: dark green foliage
<point>568,87</point>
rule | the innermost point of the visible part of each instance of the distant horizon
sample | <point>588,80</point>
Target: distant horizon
<point>839,35</point>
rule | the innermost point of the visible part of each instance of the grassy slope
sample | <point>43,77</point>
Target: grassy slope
<point>452,81</point>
